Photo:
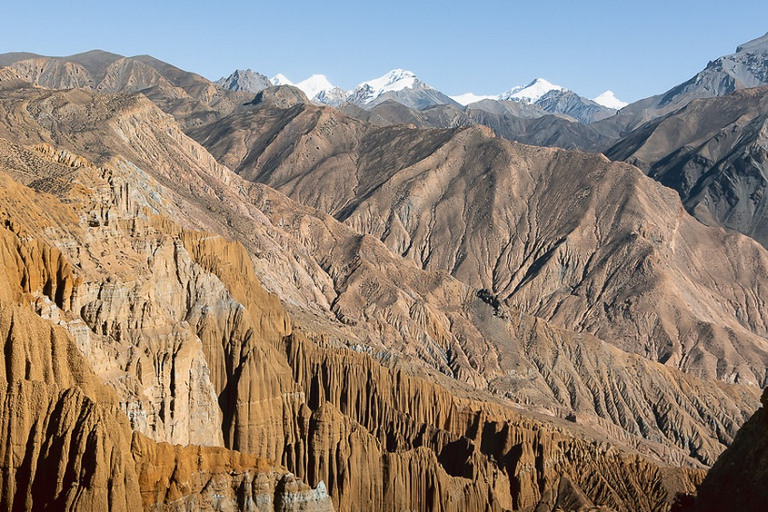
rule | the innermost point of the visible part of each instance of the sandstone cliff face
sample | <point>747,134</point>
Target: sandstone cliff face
<point>207,478</point>
<point>66,443</point>
<point>67,440</point>
<point>397,426</point>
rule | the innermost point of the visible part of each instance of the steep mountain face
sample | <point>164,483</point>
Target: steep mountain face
<point>713,152</point>
<point>465,202</point>
<point>402,370</point>
<point>244,80</point>
<point>746,68</point>
<point>68,444</point>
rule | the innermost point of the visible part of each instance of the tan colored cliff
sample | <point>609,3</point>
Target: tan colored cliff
<point>68,442</point>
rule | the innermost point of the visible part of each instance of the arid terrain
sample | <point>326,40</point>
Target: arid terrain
<point>218,299</point>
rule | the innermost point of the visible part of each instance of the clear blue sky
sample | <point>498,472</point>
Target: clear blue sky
<point>635,49</point>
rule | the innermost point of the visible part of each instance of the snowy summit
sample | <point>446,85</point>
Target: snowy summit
<point>313,85</point>
<point>395,80</point>
<point>469,97</point>
<point>280,79</point>
<point>608,99</point>
<point>531,92</point>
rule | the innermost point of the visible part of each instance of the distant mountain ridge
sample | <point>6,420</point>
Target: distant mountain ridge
<point>404,87</point>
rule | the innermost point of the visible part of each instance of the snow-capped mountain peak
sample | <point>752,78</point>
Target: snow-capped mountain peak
<point>469,97</point>
<point>280,79</point>
<point>314,85</point>
<point>531,92</point>
<point>608,99</point>
<point>395,80</point>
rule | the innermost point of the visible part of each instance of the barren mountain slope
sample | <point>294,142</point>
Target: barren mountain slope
<point>569,237</point>
<point>300,431</point>
<point>144,156</point>
<point>713,152</point>
<point>509,119</point>
<point>210,197</point>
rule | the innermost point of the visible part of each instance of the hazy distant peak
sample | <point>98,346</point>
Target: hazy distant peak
<point>244,80</point>
<point>531,92</point>
<point>280,79</point>
<point>469,97</point>
<point>609,100</point>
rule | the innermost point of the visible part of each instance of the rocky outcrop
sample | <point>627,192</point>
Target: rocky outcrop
<point>65,442</point>
<point>245,80</point>
<point>281,96</point>
<point>400,427</point>
<point>206,478</point>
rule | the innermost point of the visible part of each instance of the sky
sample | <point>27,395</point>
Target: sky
<point>635,49</point>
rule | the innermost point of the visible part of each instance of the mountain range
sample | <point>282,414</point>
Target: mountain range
<point>259,295</point>
<point>406,88</point>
